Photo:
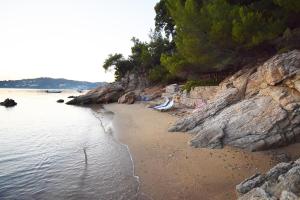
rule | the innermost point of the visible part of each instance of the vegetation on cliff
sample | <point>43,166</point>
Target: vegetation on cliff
<point>196,37</point>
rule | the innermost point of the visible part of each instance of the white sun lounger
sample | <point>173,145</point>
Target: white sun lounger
<point>163,105</point>
<point>167,107</point>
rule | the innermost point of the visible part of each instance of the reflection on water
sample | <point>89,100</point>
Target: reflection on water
<point>43,146</point>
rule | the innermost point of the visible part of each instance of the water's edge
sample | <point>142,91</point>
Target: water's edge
<point>108,130</point>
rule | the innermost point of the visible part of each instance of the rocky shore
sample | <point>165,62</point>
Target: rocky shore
<point>282,182</point>
<point>257,108</point>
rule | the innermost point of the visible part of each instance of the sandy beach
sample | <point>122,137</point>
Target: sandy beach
<point>170,169</point>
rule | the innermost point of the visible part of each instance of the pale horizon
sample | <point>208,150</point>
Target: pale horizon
<point>68,39</point>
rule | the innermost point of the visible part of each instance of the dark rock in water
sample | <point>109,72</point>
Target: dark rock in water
<point>8,103</point>
<point>71,97</point>
<point>255,109</point>
<point>282,182</point>
<point>128,98</point>
<point>60,101</point>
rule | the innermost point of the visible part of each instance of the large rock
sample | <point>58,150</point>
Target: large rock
<point>128,98</point>
<point>107,94</point>
<point>280,67</point>
<point>112,92</point>
<point>191,99</point>
<point>256,109</point>
<point>282,182</point>
<point>8,103</point>
<point>60,101</point>
<point>172,89</point>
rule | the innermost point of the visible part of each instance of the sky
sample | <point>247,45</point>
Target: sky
<point>68,38</point>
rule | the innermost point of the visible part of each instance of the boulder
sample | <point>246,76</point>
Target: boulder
<point>257,108</point>
<point>8,103</point>
<point>280,67</point>
<point>172,89</point>
<point>282,182</point>
<point>107,94</point>
<point>60,101</point>
<point>128,98</point>
<point>112,92</point>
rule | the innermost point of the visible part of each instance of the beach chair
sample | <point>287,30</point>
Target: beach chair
<point>167,107</point>
<point>163,104</point>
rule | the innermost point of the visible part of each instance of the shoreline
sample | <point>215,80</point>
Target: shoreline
<point>168,168</point>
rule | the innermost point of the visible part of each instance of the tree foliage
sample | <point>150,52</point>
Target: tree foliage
<point>209,36</point>
<point>144,59</point>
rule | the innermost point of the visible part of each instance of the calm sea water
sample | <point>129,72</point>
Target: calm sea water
<point>42,151</point>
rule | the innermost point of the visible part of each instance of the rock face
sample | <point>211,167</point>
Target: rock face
<point>205,93</point>
<point>8,103</point>
<point>112,92</point>
<point>190,99</point>
<point>255,109</point>
<point>282,182</point>
<point>128,98</point>
<point>172,89</point>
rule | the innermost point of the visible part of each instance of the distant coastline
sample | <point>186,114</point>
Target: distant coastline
<point>50,83</point>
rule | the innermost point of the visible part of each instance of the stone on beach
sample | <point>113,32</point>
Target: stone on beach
<point>128,98</point>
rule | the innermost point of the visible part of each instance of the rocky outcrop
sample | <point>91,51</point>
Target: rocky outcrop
<point>107,94</point>
<point>205,93</point>
<point>128,98</point>
<point>256,109</point>
<point>8,103</point>
<point>112,92</point>
<point>282,182</point>
<point>190,99</point>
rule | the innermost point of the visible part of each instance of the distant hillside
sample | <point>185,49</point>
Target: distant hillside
<point>49,83</point>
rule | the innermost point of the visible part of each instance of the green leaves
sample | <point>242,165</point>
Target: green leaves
<point>210,34</point>
<point>112,60</point>
<point>121,65</point>
<point>207,36</point>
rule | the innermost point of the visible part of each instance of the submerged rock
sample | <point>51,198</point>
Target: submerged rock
<point>282,182</point>
<point>255,109</point>
<point>8,103</point>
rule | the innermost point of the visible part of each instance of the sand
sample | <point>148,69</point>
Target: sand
<point>169,169</point>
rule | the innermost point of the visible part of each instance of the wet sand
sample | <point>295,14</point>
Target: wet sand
<point>169,169</point>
